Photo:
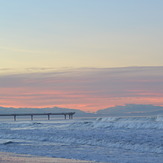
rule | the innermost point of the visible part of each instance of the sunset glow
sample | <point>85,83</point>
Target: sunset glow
<point>84,89</point>
<point>85,55</point>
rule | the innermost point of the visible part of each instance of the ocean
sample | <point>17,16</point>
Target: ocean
<point>107,139</point>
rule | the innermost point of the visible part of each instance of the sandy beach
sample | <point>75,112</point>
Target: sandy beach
<point>16,158</point>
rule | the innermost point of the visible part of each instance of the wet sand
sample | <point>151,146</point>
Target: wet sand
<point>16,158</point>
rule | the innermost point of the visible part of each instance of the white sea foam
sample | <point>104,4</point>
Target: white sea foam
<point>159,118</point>
<point>102,139</point>
<point>130,122</point>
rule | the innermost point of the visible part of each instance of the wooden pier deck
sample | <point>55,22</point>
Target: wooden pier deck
<point>69,114</point>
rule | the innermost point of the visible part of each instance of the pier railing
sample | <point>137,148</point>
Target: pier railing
<point>70,115</point>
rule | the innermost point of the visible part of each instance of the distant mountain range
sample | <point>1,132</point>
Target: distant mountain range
<point>127,110</point>
<point>132,110</point>
<point>6,110</point>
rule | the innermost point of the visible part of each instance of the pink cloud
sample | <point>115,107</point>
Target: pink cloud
<point>85,89</point>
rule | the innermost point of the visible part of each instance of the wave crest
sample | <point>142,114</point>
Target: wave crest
<point>130,122</point>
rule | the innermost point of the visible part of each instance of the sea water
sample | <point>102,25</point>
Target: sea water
<point>109,139</point>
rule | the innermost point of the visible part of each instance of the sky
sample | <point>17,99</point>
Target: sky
<point>81,54</point>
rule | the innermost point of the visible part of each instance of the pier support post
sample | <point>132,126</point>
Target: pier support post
<point>31,117</point>
<point>70,116</point>
<point>14,117</point>
<point>48,116</point>
<point>65,116</point>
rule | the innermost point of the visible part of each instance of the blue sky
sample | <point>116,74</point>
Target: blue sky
<point>87,33</point>
<point>63,37</point>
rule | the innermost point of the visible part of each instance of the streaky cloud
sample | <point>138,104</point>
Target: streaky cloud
<point>83,88</point>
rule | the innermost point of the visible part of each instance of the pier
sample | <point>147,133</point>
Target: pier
<point>70,115</point>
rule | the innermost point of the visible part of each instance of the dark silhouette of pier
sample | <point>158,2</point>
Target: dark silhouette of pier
<point>70,115</point>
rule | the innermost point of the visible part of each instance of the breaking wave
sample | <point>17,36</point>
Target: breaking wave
<point>134,135</point>
<point>130,122</point>
<point>6,142</point>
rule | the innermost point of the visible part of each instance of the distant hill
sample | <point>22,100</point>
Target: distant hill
<point>5,110</point>
<point>127,110</point>
<point>132,110</point>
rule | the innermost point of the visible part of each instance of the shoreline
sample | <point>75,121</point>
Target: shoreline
<point>6,157</point>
